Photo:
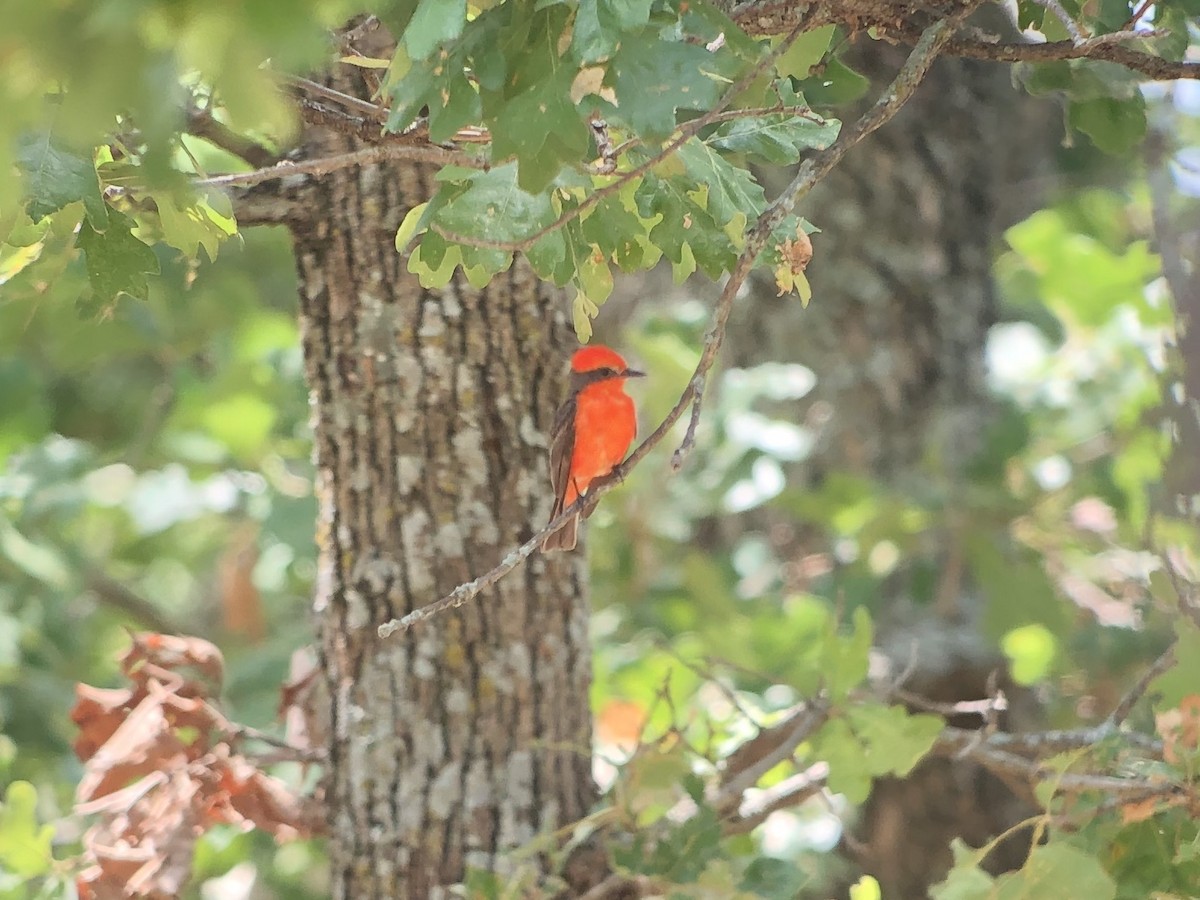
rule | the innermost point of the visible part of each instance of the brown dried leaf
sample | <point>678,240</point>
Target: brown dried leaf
<point>98,713</point>
<point>264,801</point>
<point>241,605</point>
<point>1138,810</point>
<point>195,660</point>
<point>142,744</point>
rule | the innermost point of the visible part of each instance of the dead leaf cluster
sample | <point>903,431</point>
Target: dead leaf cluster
<point>162,765</point>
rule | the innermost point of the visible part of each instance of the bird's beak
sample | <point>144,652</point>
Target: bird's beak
<point>633,373</point>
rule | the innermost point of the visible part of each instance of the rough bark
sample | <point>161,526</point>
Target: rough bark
<point>470,734</point>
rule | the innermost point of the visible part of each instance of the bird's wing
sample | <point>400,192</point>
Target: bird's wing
<point>562,446</point>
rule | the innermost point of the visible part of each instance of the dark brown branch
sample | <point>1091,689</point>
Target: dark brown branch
<point>114,594</point>
<point>895,20</point>
<point>812,171</point>
<point>365,156</point>
<point>316,89</point>
<point>1100,48</point>
<point>200,122</point>
<point>791,791</point>
<point>1123,709</point>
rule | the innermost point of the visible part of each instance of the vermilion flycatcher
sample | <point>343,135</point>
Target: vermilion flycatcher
<point>592,432</point>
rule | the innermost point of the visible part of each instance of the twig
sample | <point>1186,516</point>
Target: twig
<point>1103,47</point>
<point>689,436</point>
<point>113,593</point>
<point>365,156</point>
<point>767,749</point>
<point>1138,13</point>
<point>981,708</point>
<point>1184,597</point>
<point>955,742</point>
<point>812,171</point>
<point>200,122</point>
<point>1123,709</point>
<point>791,791</point>
<point>357,32</point>
<point>308,86</point>
<point>1063,16</point>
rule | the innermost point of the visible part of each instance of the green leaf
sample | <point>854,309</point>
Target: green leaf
<point>836,85</point>
<point>459,106</point>
<point>866,888</point>
<point>1031,649</point>
<point>849,770</point>
<point>805,52</point>
<point>582,313</point>
<point>117,262</point>
<point>731,190</point>
<point>55,177</point>
<point>40,561</point>
<point>599,25</point>
<point>774,879</point>
<point>24,845</point>
<point>1115,126</point>
<point>895,740</point>
<point>434,24</point>
<point>1182,679</point>
<point>966,881</point>
<point>416,220</point>
<point>776,138</point>
<point>1057,869</point>
<point>683,226</point>
<point>193,223</point>
<point>595,277</point>
<point>615,230</point>
<point>494,207</point>
<point>538,90</point>
<point>846,658</point>
<point>654,78</point>
<point>649,784</point>
<point>434,261</point>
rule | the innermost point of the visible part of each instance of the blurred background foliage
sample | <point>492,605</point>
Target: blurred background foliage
<point>156,467</point>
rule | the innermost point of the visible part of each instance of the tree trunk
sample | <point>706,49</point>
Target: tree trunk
<point>470,734</point>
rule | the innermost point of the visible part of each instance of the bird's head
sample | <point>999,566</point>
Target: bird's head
<point>599,363</point>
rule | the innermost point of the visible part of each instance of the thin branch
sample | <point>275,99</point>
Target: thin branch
<point>982,708</point>
<point>791,791</point>
<point>365,156</point>
<point>689,437</point>
<point>1123,709</point>
<point>308,86</point>
<point>763,752</point>
<point>200,122</point>
<point>957,743</point>
<point>759,18</point>
<point>113,593</point>
<point>810,172</point>
<point>1103,47</point>
<point>1063,16</point>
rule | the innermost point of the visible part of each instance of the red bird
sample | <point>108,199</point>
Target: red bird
<point>592,432</point>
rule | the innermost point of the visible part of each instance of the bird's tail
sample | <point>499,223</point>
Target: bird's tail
<point>565,537</point>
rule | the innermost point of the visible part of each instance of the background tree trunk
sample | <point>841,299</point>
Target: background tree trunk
<point>470,734</point>
<point>896,334</point>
